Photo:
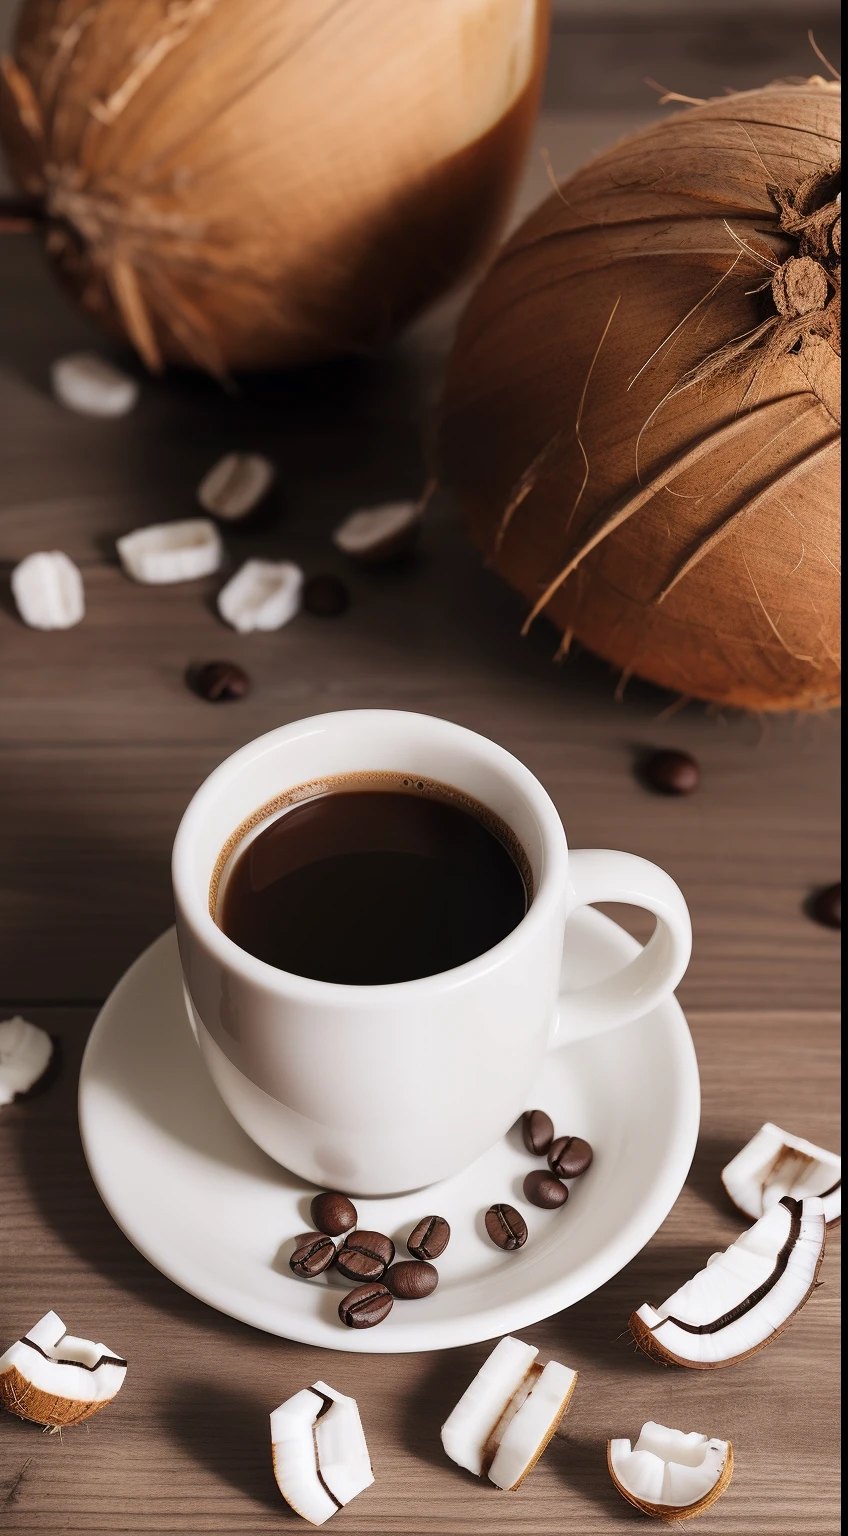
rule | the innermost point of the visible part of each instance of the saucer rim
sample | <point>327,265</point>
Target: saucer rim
<point>497,1318</point>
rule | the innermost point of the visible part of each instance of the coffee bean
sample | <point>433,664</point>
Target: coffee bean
<point>326,596</point>
<point>220,681</point>
<point>429,1239</point>
<point>366,1306</point>
<point>312,1256</point>
<point>333,1213</point>
<point>537,1129</point>
<point>672,773</point>
<point>542,1189</point>
<point>826,906</point>
<point>506,1226</point>
<point>411,1279</point>
<point>569,1156</point>
<point>365,1256</point>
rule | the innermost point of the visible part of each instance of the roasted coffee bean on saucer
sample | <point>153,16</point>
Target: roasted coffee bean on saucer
<point>542,1189</point>
<point>365,1256</point>
<point>411,1279</point>
<point>506,1227</point>
<point>312,1256</point>
<point>365,1307</point>
<point>429,1239</point>
<point>826,906</point>
<point>333,1213</point>
<point>537,1130</point>
<point>326,596</point>
<point>220,682</point>
<point>671,773</point>
<point>569,1156</point>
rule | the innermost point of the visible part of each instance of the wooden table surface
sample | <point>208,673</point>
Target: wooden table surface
<point>101,746</point>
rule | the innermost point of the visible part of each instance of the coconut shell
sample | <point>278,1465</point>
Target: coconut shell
<point>642,410</point>
<point>671,1513</point>
<point>20,1397</point>
<point>249,183</point>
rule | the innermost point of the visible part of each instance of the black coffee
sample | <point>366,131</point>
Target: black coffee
<point>368,886</point>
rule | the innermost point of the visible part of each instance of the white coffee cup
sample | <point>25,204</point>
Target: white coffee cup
<point>378,1089</point>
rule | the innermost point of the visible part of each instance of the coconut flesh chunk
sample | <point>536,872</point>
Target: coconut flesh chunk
<point>670,1474</point>
<point>169,552</point>
<point>54,1379</point>
<point>508,1413</point>
<point>48,590</point>
<point>25,1054</point>
<point>744,1297</point>
<point>321,1459</point>
<point>90,384</point>
<point>379,533</point>
<point>262,595</point>
<point>774,1164</point>
<point>235,485</point>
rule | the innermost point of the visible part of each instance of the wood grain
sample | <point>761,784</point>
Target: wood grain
<point>101,745</point>
<point>185,1446</point>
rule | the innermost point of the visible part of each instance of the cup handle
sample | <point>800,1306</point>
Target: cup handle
<point>599,874</point>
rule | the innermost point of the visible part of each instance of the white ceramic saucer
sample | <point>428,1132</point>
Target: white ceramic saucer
<point>217,1216</point>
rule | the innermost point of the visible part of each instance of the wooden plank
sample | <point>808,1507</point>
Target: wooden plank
<point>185,1447</point>
<point>100,747</point>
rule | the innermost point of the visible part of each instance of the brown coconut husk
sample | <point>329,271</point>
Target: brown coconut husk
<point>20,1397</point>
<point>250,183</point>
<point>672,1513</point>
<point>642,411</point>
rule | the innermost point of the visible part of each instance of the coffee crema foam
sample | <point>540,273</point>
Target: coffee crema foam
<point>384,779</point>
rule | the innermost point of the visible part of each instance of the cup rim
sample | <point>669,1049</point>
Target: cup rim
<point>195,912</point>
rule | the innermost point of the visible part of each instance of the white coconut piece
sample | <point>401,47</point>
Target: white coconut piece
<point>744,1297</point>
<point>774,1164</point>
<point>508,1413</point>
<point>670,1474</point>
<point>379,533</point>
<point>169,552</point>
<point>25,1054</point>
<point>321,1459</point>
<point>235,485</point>
<point>53,1379</point>
<point>263,594</point>
<point>48,591</point>
<point>466,1432</point>
<point>89,384</point>
<point>527,1432</point>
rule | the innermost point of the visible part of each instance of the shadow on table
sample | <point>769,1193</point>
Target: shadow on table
<point>582,1466</point>
<point>61,1188</point>
<point>438,1387</point>
<point>226,1432</point>
<point>712,1154</point>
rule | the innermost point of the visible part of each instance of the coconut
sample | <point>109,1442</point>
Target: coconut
<point>321,1459</point>
<point>56,1380</point>
<point>169,552</point>
<point>248,184</point>
<point>505,1418</point>
<point>669,1474</point>
<point>744,1297</point>
<point>642,411</point>
<point>263,594</point>
<point>774,1164</point>
<point>236,485</point>
<point>377,534</point>
<point>26,1055</point>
